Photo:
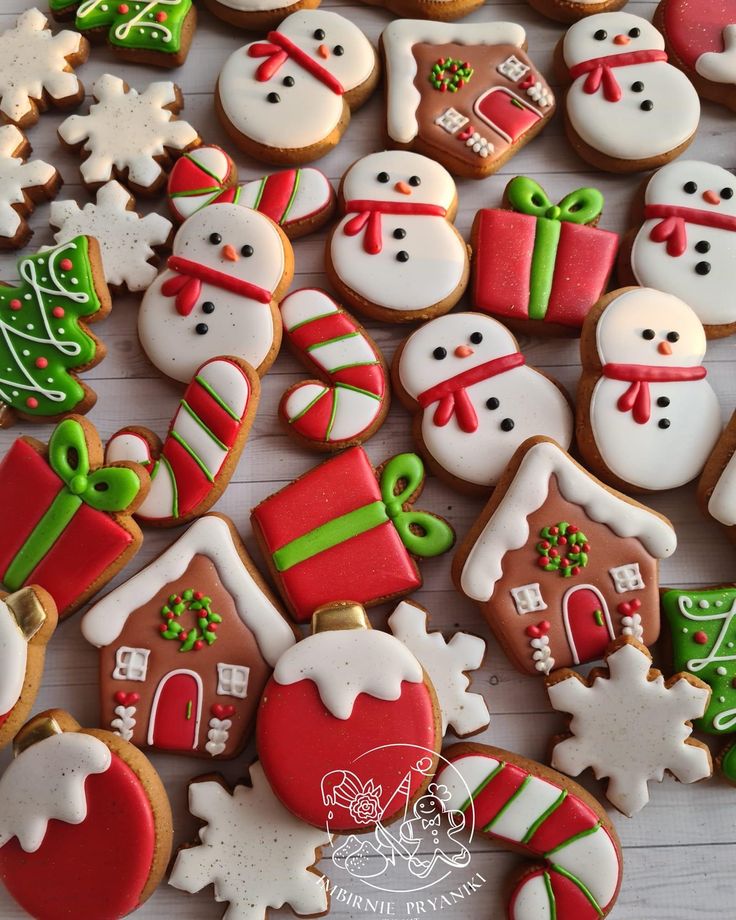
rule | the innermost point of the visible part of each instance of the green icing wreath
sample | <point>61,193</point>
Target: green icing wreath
<point>563,548</point>
<point>205,630</point>
<point>448,75</point>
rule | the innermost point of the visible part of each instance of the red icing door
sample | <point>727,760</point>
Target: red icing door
<point>506,113</point>
<point>587,623</point>
<point>176,712</point>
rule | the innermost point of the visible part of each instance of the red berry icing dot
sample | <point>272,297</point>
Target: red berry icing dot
<point>161,17</point>
<point>123,8</point>
<point>42,362</point>
<point>15,304</point>
<point>32,402</point>
<point>58,312</point>
<point>66,264</point>
<point>700,637</point>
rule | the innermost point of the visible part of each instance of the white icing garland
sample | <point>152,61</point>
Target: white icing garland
<point>217,736</point>
<point>125,722</point>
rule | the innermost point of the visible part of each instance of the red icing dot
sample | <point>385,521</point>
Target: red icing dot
<point>585,547</point>
<point>42,362</point>
<point>32,402</point>
<point>554,531</point>
<point>198,595</point>
<point>198,645</point>
<point>169,615</point>
<point>700,637</point>
<point>58,312</point>
<point>15,304</point>
<point>66,264</point>
<point>543,561</point>
<point>162,628</point>
<point>562,541</point>
<point>123,8</point>
<point>161,17</point>
<point>553,553</point>
<point>213,627</point>
<point>576,570</point>
<point>544,544</point>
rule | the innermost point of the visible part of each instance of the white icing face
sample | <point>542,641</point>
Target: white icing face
<point>609,33</point>
<point>401,176</point>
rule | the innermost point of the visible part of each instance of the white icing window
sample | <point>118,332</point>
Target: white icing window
<point>528,598</point>
<point>451,120</point>
<point>627,577</point>
<point>513,68</point>
<point>131,663</point>
<point>232,680</point>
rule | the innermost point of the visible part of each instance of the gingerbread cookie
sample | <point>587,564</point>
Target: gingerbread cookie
<point>572,10</point>
<point>219,293</point>
<point>499,100</point>
<point>560,564</point>
<point>647,418</point>
<point>288,99</point>
<point>716,492</point>
<point>22,186</point>
<point>257,15</point>
<point>441,10</point>
<point>474,398</point>
<point>626,109</point>
<point>73,803</point>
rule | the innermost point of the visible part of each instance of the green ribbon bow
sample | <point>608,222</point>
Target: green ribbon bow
<point>582,206</point>
<point>422,533</point>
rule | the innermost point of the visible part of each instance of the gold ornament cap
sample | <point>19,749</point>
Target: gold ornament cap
<point>38,729</point>
<point>28,611</point>
<point>341,615</point>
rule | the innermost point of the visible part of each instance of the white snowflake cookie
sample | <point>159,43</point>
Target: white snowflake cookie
<point>22,185</point>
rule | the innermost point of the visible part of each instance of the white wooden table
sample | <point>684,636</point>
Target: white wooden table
<point>680,851</point>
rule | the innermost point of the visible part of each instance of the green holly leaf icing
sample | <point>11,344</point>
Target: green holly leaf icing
<point>144,25</point>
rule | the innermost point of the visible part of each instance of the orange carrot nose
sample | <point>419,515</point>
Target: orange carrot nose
<point>228,252</point>
<point>323,51</point>
<point>711,197</point>
<point>621,40</point>
<point>463,351</point>
<point>403,188</point>
<point>664,348</point>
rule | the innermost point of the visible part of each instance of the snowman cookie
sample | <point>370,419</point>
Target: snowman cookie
<point>647,417</point>
<point>219,293</point>
<point>572,10</point>
<point>626,109</point>
<point>396,255</point>
<point>685,241</point>
<point>288,99</point>
<point>717,485</point>
<point>474,398</point>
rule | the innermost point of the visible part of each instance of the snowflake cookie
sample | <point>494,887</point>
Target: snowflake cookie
<point>36,69</point>
<point>255,852</point>
<point>127,240</point>
<point>129,135</point>
<point>22,185</point>
<point>629,725</point>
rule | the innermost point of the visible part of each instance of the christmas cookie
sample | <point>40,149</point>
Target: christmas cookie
<point>626,108</point>
<point>45,341</point>
<point>474,398</point>
<point>617,706</point>
<point>73,529</point>
<point>350,401</point>
<point>187,645</point>
<point>191,469</point>
<point>37,69</point>
<point>288,99</point>
<point>540,266</point>
<point>127,241</point>
<point>219,293</point>
<point>257,15</point>
<point>560,564</point>
<point>442,10</point>
<point>647,417</point>
<point>84,821</point>
<point>528,808</point>
<point>344,529</point>
<point>129,136</point>
<point>572,10</point>
<point>684,242</point>
<point>396,255</point>
<point>22,186</point>
<point>27,622</point>
<point>717,485</point>
<point>349,725</point>
<point>466,95</point>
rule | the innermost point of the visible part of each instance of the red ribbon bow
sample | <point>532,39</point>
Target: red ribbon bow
<point>186,284</point>
<point>278,49</point>
<point>368,218</point>
<point>672,228</point>
<point>600,71</point>
<point>637,398</point>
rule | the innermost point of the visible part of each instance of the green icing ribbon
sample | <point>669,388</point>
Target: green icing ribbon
<point>107,489</point>
<point>422,533</point>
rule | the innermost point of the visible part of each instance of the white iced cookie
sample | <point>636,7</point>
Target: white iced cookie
<point>22,184</point>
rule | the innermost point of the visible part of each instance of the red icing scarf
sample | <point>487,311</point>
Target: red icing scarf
<point>279,49</point>
<point>453,398</point>
<point>186,285</point>
<point>637,399</point>
<point>368,218</point>
<point>600,71</point>
<point>672,229</point>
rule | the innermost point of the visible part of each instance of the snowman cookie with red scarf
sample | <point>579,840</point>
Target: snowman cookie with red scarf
<point>647,416</point>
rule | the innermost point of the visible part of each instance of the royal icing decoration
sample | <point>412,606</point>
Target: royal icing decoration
<point>717,485</point>
<point>477,398</point>
<point>257,854</point>
<point>618,706</point>
<point>354,398</point>
<point>21,185</point>
<point>546,613</point>
<point>703,36</point>
<point>203,176</point>
<point>14,658</point>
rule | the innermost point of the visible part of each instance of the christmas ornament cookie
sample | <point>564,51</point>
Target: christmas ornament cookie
<point>540,266</point>
<point>191,469</point>
<point>22,186</point>
<point>717,485</point>
<point>647,417</point>
<point>127,241</point>
<point>84,821</point>
<point>350,401</point>
<point>73,528</point>
<point>560,564</point>
<point>614,708</point>
<point>45,341</point>
<point>344,529</point>
<point>37,69</point>
<point>257,15</point>
<point>525,806</point>
<point>128,135</point>
<point>288,99</point>
<point>685,240</point>
<point>474,398</point>
<point>349,725</point>
<point>572,10</point>
<point>626,108</point>
<point>465,95</point>
<point>257,854</point>
<point>396,255</point>
<point>219,293</point>
<point>27,622</point>
<point>187,645</point>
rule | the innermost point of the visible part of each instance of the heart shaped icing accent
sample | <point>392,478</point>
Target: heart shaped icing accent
<point>126,699</point>
<point>541,629</point>
<point>222,711</point>
<point>628,607</point>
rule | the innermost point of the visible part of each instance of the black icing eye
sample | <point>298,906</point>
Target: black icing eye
<point>215,238</point>
<point>601,35</point>
<point>690,188</point>
<point>399,233</point>
<point>492,403</point>
<point>415,181</point>
<point>726,193</point>
<point>383,177</point>
<point>702,246</point>
<point>648,334</point>
<point>273,97</point>
<point>634,33</point>
<point>319,34</point>
<point>637,87</point>
<point>338,50</point>
<point>208,307</point>
<point>439,353</point>
<point>673,336</point>
<point>246,250</point>
<point>476,338</point>
<point>289,81</point>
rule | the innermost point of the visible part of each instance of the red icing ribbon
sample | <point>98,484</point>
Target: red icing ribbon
<point>452,393</point>
<point>600,71</point>
<point>368,218</point>
<point>637,399</point>
<point>186,285</point>
<point>672,230</point>
<point>279,49</point>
